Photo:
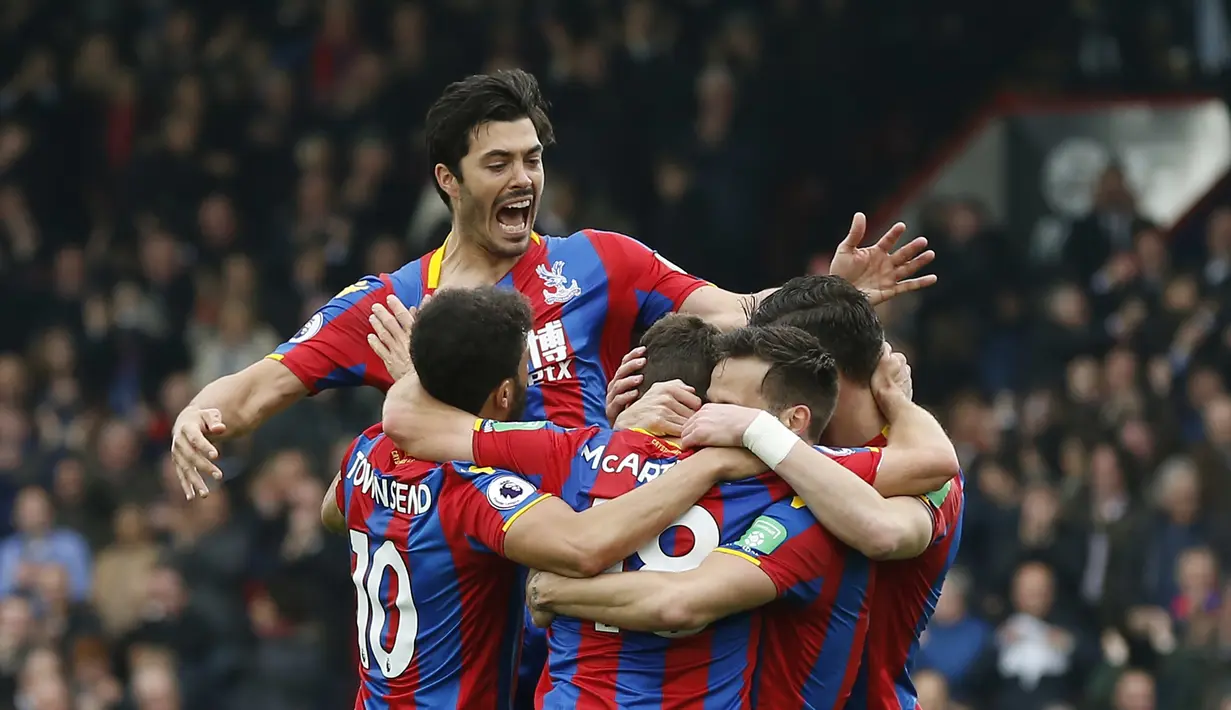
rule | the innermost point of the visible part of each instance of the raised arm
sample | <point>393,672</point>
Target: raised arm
<point>229,406</point>
<point>879,270</point>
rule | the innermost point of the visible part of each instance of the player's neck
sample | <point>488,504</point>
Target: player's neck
<point>467,264</point>
<point>856,421</point>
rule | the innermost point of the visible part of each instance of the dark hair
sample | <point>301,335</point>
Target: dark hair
<point>838,315</point>
<point>800,371</point>
<point>465,342</point>
<point>506,95</point>
<point>680,347</point>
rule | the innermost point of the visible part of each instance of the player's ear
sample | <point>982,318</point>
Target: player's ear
<point>447,181</point>
<point>797,418</point>
<point>504,396</point>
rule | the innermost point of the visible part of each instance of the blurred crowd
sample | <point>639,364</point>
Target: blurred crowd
<point>182,184</point>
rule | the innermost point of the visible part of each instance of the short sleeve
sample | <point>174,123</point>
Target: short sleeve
<point>863,462</point>
<point>530,448</point>
<point>492,500</point>
<point>941,503</point>
<point>331,350</point>
<point>660,286</point>
<point>791,548</point>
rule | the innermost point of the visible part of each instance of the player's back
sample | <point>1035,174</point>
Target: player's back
<point>438,613</point>
<point>598,666</point>
<point>902,604</point>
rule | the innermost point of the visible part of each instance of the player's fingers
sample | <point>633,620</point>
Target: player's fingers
<point>686,399</point>
<point>624,386</point>
<point>914,284</point>
<point>379,348</point>
<point>891,237</point>
<point>387,319</point>
<point>914,265</point>
<point>859,227</point>
<point>405,316</point>
<point>633,354</point>
<point>212,418</point>
<point>619,403</point>
<point>189,475</point>
<point>386,331</point>
<point>909,250</point>
<point>629,366</point>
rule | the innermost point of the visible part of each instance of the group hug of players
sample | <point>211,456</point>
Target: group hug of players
<point>668,514</point>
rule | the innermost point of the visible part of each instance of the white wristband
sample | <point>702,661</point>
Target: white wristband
<point>769,439</point>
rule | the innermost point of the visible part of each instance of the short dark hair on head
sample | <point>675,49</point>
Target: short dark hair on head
<point>465,342</point>
<point>836,313</point>
<point>680,347</point>
<point>800,371</point>
<point>506,95</point>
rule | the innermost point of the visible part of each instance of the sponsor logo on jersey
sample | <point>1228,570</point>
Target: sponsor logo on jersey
<point>494,426</point>
<point>551,357</point>
<point>559,288</point>
<point>309,329</point>
<point>507,492</point>
<point>764,536</point>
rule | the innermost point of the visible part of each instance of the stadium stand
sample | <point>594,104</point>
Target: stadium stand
<point>182,184</point>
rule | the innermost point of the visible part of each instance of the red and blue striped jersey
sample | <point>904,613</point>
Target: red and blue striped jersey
<point>439,611</point>
<point>902,604</point>
<point>596,666</point>
<point>813,638</point>
<point>590,292</point>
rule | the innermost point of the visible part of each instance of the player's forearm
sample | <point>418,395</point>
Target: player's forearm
<point>919,457</point>
<point>615,529</point>
<point>250,397</point>
<point>841,501</point>
<point>638,601</point>
<point>724,309</point>
<point>424,427</point>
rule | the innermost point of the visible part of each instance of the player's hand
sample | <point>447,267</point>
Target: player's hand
<point>878,270</point>
<point>539,614</point>
<point>738,464</point>
<point>191,450</point>
<point>390,336</point>
<point>718,425</point>
<point>622,389</point>
<point>664,409</point>
<point>892,376</point>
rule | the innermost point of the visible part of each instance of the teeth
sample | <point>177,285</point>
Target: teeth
<point>519,205</point>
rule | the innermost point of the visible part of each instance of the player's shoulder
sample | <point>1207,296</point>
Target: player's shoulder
<point>641,441</point>
<point>504,489</point>
<point>491,426</point>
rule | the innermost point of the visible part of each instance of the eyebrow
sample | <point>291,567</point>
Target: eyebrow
<point>500,153</point>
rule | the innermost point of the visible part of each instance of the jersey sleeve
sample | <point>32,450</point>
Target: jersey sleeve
<point>863,462</point>
<point>942,509</point>
<point>660,286</point>
<point>331,349</point>
<point>791,548</point>
<point>493,500</point>
<point>534,449</point>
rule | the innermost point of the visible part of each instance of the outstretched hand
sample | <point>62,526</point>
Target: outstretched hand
<point>390,336</point>
<point>879,270</point>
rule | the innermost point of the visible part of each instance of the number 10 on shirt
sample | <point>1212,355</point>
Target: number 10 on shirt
<point>371,614</point>
<point>705,537</point>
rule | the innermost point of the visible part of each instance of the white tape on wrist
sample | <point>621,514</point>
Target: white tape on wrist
<point>769,439</point>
